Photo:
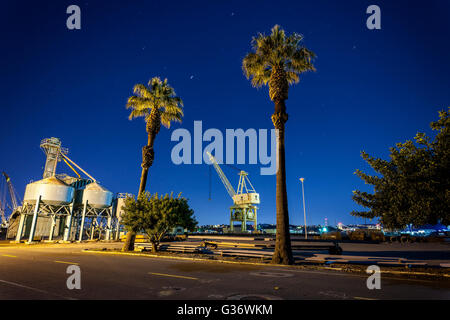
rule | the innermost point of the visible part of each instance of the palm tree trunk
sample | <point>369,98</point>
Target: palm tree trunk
<point>283,250</point>
<point>129,241</point>
<point>143,183</point>
<point>131,236</point>
<point>147,160</point>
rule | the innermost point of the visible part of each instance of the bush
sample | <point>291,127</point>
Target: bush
<point>157,215</point>
<point>331,236</point>
<point>377,236</point>
<point>357,235</point>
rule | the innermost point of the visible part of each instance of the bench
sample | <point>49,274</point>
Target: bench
<point>183,248</point>
<point>245,253</point>
<point>216,244</point>
<point>170,247</point>
<point>331,246</point>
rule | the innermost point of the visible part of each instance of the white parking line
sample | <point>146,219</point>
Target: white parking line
<point>172,275</point>
<point>66,262</point>
<point>364,298</point>
<point>33,289</point>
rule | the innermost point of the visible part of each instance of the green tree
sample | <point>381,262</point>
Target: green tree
<point>278,61</point>
<point>158,104</point>
<point>156,215</point>
<point>412,187</point>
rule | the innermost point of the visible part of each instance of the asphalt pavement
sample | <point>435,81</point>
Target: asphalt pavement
<point>41,272</point>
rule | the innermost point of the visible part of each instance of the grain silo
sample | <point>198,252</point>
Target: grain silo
<point>65,207</point>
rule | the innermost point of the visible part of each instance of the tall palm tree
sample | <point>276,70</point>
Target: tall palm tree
<point>158,104</point>
<point>278,60</point>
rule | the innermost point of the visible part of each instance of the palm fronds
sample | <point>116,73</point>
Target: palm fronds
<point>277,50</point>
<point>158,96</point>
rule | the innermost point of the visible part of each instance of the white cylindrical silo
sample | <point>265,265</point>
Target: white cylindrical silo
<point>52,191</point>
<point>97,196</point>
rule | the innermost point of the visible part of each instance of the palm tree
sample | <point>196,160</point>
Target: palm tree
<point>158,104</point>
<point>278,60</point>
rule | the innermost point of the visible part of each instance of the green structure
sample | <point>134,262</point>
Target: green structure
<point>245,198</point>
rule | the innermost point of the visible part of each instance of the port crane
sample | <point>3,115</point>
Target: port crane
<point>14,201</point>
<point>244,198</point>
<point>3,210</point>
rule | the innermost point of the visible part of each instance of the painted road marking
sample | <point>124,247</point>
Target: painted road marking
<point>326,273</point>
<point>33,289</point>
<point>363,298</point>
<point>22,286</point>
<point>362,276</point>
<point>65,262</point>
<point>172,275</point>
<point>8,255</point>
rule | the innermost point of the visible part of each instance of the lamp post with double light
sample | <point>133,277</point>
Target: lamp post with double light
<point>304,210</point>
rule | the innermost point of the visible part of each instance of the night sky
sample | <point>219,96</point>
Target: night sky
<point>372,89</point>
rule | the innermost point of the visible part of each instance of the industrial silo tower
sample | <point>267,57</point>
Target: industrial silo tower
<point>53,150</point>
<point>63,206</point>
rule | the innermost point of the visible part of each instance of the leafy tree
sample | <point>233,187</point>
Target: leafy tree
<point>412,187</point>
<point>156,215</point>
<point>278,61</point>
<point>158,104</point>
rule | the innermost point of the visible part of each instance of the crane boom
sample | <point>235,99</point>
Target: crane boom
<point>3,204</point>
<point>2,213</point>
<point>222,176</point>
<point>243,209</point>
<point>11,192</point>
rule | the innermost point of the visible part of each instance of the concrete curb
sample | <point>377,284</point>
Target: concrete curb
<point>445,275</point>
<point>411,273</point>
<point>182,258</point>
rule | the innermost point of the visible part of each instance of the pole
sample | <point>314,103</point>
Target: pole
<point>256,220</point>
<point>34,221</point>
<point>117,228</point>
<point>68,226</point>
<point>82,221</point>
<point>52,228</point>
<point>108,227</point>
<point>93,221</point>
<point>304,209</point>
<point>20,229</point>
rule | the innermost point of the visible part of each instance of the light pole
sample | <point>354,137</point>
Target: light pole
<point>304,210</point>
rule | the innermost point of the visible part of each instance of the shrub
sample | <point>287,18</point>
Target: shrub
<point>156,215</point>
<point>357,235</point>
<point>331,236</point>
<point>377,236</point>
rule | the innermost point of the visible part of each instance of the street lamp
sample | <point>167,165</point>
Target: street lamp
<point>304,210</point>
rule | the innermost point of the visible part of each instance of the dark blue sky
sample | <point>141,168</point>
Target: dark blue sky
<point>372,88</point>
